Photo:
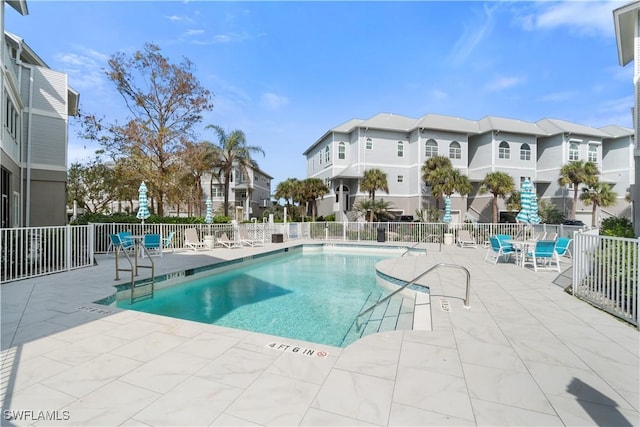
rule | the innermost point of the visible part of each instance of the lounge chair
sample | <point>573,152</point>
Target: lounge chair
<point>465,239</point>
<point>153,242</point>
<point>224,240</point>
<point>498,250</point>
<point>544,254</point>
<point>245,240</point>
<point>191,240</point>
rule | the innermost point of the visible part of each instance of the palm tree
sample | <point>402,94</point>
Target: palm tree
<point>232,151</point>
<point>373,180</point>
<point>597,195</point>
<point>576,173</point>
<point>434,173</point>
<point>286,190</point>
<point>500,184</point>
<point>312,189</point>
<point>377,209</point>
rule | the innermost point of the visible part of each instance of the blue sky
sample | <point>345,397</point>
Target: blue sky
<point>286,72</point>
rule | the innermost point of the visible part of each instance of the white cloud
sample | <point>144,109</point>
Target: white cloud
<point>473,34</point>
<point>584,18</point>
<point>190,33</point>
<point>223,38</point>
<point>84,67</point>
<point>501,83</point>
<point>273,101</point>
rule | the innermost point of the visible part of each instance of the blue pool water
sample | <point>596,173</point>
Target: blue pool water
<point>312,296</point>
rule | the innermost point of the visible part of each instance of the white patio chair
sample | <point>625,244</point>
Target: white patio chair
<point>191,240</point>
<point>466,240</point>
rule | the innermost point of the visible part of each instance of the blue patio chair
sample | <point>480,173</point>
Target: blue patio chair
<point>562,246</point>
<point>498,249</point>
<point>167,242</point>
<point>125,240</point>
<point>117,242</point>
<point>543,254</point>
<point>152,242</point>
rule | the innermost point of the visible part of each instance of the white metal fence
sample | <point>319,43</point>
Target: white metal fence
<point>36,251</point>
<point>605,273</point>
<point>605,269</point>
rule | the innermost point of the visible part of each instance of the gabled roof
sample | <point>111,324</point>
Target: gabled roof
<point>347,126</point>
<point>555,126</point>
<point>617,131</point>
<point>350,171</point>
<point>503,124</point>
<point>624,20</point>
<point>390,121</point>
<point>19,5</point>
<point>447,123</point>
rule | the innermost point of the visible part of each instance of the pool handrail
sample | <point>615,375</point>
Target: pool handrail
<point>414,280</point>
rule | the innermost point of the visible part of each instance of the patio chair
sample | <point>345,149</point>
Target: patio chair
<point>167,242</point>
<point>466,240</point>
<point>224,240</point>
<point>544,254</point>
<point>245,240</point>
<point>153,242</point>
<point>498,249</point>
<point>562,247</point>
<point>126,239</point>
<point>191,240</point>
<point>117,243</point>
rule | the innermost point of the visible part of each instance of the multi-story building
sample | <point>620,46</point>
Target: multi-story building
<point>249,192</point>
<point>36,104</point>
<point>627,24</point>
<point>400,146</point>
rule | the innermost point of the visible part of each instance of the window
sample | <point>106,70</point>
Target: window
<point>400,149</point>
<point>431,149</point>
<point>369,144</point>
<point>320,156</point>
<point>504,152</point>
<point>593,153</point>
<point>400,178</point>
<point>327,154</point>
<point>525,152</point>
<point>216,192</point>
<point>16,209</point>
<point>573,152</point>
<point>342,153</point>
<point>455,152</point>
<point>11,119</point>
<point>6,190</point>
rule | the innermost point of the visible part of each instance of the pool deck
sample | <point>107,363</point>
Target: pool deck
<point>524,353</point>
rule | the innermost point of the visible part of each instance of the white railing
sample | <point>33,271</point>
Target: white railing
<point>36,251</point>
<point>605,273</point>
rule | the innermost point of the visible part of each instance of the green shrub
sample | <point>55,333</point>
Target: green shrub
<point>617,227</point>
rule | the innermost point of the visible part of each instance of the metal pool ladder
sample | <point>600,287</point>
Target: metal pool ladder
<point>134,266</point>
<point>413,281</point>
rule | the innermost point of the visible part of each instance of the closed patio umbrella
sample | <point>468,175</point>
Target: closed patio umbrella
<point>528,204</point>
<point>209,218</point>
<point>143,207</point>
<point>447,210</point>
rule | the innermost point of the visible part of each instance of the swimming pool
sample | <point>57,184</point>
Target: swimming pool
<point>311,295</point>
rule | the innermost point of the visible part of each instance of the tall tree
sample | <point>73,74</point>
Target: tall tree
<point>92,186</point>
<point>499,184</point>
<point>576,173</point>
<point>312,189</point>
<point>434,173</point>
<point>198,159</point>
<point>232,152</point>
<point>165,101</point>
<point>373,180</point>
<point>599,194</point>
<point>286,190</point>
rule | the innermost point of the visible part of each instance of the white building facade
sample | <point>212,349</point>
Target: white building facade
<point>400,146</point>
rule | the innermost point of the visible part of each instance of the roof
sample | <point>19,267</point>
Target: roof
<point>504,124</point>
<point>447,123</point>
<point>624,20</point>
<point>390,121</point>
<point>555,126</point>
<point>351,171</point>
<point>19,5</point>
<point>617,131</point>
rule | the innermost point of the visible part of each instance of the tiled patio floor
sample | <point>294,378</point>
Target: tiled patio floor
<point>525,353</point>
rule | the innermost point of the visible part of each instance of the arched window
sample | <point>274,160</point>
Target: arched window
<point>504,152</point>
<point>455,152</point>
<point>431,149</point>
<point>327,154</point>
<point>593,153</point>
<point>573,152</point>
<point>342,151</point>
<point>400,149</point>
<point>525,152</point>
